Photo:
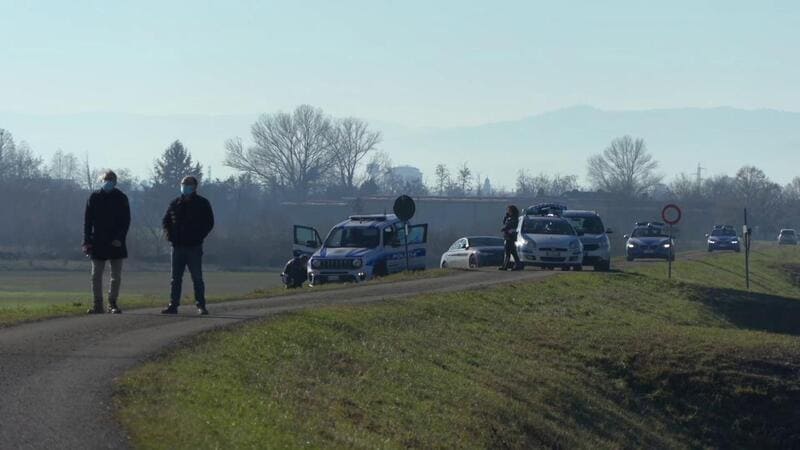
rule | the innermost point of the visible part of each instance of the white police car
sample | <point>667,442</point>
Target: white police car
<point>362,247</point>
<point>594,237</point>
<point>547,240</point>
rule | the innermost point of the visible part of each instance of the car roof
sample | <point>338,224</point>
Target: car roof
<point>579,213</point>
<point>787,229</point>
<point>482,237</point>
<point>369,220</point>
<point>546,218</point>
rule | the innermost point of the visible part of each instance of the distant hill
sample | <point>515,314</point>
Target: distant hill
<point>720,139</point>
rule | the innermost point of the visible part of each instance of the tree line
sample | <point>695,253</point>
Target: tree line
<point>306,154</point>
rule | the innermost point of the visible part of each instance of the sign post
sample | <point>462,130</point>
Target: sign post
<point>671,214</point>
<point>746,236</point>
<point>404,209</point>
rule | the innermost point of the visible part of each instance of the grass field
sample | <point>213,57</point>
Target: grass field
<point>40,294</point>
<point>588,360</point>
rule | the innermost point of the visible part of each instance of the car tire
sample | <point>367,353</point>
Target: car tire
<point>380,269</point>
<point>473,262</point>
<point>444,264</point>
<point>629,258</point>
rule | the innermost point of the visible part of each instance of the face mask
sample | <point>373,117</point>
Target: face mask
<point>108,186</point>
<point>186,189</point>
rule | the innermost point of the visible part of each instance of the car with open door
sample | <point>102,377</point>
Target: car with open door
<point>362,247</point>
<point>471,252</point>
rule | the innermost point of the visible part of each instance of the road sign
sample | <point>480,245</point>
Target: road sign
<point>404,208</point>
<point>671,214</point>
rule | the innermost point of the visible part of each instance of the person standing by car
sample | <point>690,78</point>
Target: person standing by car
<point>107,219</point>
<point>188,221</point>
<point>510,222</point>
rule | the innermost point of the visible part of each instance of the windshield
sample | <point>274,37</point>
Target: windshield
<point>353,237</point>
<point>648,232</point>
<point>587,225</point>
<point>727,232</point>
<point>787,232</point>
<point>485,242</point>
<point>547,226</point>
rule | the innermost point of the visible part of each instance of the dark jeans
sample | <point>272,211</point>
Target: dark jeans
<point>191,257</point>
<point>511,251</point>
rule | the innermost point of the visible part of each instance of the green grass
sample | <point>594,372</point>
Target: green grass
<point>581,361</point>
<point>36,295</point>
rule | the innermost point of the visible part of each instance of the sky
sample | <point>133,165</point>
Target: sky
<point>410,63</point>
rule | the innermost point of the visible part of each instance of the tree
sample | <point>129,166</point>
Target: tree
<point>792,190</point>
<point>543,185</point>
<point>464,178</point>
<point>63,166</point>
<point>625,167</point>
<point>174,164</point>
<point>352,142</point>
<point>17,161</point>
<point>443,180</point>
<point>291,152</point>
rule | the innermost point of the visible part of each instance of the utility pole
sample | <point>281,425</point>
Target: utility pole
<point>699,178</point>
<point>746,236</point>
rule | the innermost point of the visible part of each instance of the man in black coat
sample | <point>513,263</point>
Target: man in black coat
<point>188,221</point>
<point>105,227</point>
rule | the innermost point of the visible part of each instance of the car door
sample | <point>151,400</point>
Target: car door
<point>306,240</point>
<point>449,256</point>
<point>418,245</point>
<point>460,254</point>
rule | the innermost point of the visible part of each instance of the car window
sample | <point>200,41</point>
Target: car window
<point>723,232</point>
<point>587,225</point>
<point>787,232</point>
<point>648,232</point>
<point>547,226</point>
<point>486,242</point>
<point>353,237</point>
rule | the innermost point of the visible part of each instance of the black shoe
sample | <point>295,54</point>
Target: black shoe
<point>201,310</point>
<point>170,309</point>
<point>114,309</point>
<point>96,309</point>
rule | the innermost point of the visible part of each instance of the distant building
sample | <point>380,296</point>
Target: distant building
<point>407,174</point>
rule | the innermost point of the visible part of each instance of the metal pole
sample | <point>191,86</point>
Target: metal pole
<point>669,255</point>
<point>746,251</point>
<point>407,258</point>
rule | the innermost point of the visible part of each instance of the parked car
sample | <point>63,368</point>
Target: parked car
<point>787,236</point>
<point>547,240</point>
<point>594,237</point>
<point>361,248</point>
<point>723,237</point>
<point>649,240</point>
<point>474,251</point>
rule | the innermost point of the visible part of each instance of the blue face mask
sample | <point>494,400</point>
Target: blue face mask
<point>187,189</point>
<point>108,186</point>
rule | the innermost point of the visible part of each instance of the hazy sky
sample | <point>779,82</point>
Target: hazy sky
<point>415,63</point>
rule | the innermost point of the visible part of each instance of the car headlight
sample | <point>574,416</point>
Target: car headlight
<point>735,241</point>
<point>528,244</point>
<point>631,245</point>
<point>667,245</point>
<point>315,263</point>
<point>357,263</point>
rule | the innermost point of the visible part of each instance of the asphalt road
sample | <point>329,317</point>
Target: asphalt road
<point>56,376</point>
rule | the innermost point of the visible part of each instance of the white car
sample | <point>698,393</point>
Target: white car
<point>472,252</point>
<point>594,237</point>
<point>548,241</point>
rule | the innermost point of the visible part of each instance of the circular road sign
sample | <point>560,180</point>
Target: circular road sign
<point>671,214</point>
<point>404,208</point>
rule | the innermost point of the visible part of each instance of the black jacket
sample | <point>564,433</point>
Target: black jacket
<point>188,220</point>
<point>106,219</point>
<point>510,228</point>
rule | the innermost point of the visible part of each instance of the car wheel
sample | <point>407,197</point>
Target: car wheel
<point>380,269</point>
<point>444,264</point>
<point>473,262</point>
<point>629,257</point>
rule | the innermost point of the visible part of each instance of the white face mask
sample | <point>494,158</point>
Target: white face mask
<point>108,186</point>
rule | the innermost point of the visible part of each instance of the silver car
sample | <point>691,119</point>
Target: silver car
<point>594,237</point>
<point>549,241</point>
<point>474,251</point>
<point>787,236</point>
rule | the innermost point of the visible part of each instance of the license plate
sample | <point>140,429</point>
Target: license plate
<point>648,251</point>
<point>553,254</point>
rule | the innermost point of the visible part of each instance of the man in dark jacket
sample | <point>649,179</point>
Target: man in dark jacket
<point>295,273</point>
<point>187,222</point>
<point>105,227</point>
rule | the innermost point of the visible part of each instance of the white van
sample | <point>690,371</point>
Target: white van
<point>362,247</point>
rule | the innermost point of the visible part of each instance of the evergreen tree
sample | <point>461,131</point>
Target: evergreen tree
<point>174,164</point>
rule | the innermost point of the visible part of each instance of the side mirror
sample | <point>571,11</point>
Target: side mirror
<point>625,236</point>
<point>466,247</point>
<point>706,234</point>
<point>609,231</point>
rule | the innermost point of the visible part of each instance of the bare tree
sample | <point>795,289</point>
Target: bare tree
<point>464,177</point>
<point>625,167</point>
<point>63,166</point>
<point>290,152</point>
<point>351,142</point>
<point>443,180</point>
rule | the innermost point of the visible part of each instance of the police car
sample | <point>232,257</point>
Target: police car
<point>723,237</point>
<point>362,247</point>
<point>547,240</point>
<point>649,240</point>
